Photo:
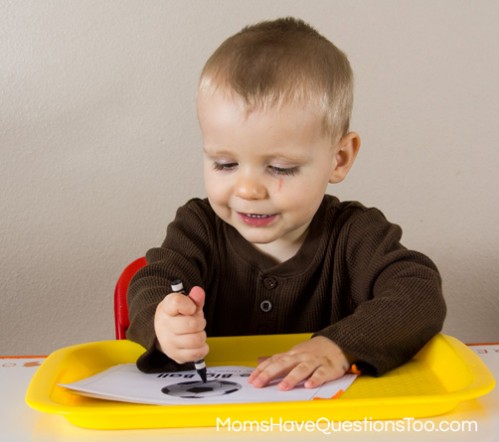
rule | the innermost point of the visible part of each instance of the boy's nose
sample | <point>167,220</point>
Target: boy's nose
<point>249,187</point>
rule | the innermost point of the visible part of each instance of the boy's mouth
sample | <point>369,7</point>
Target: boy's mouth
<point>257,219</point>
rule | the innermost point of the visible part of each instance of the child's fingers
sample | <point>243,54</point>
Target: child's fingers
<point>183,355</point>
<point>305,362</point>
<point>260,369</point>
<point>323,375</point>
<point>183,325</point>
<point>190,347</point>
<point>179,325</point>
<point>197,295</point>
<point>182,347</point>
<point>303,370</point>
<point>176,304</point>
<point>296,370</point>
<point>273,368</point>
<point>191,341</point>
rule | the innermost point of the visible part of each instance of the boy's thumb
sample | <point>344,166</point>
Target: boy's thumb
<point>197,294</point>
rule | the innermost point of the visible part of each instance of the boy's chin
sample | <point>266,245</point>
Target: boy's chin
<point>257,237</point>
<point>256,240</point>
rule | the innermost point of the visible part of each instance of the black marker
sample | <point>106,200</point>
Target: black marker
<point>200,365</point>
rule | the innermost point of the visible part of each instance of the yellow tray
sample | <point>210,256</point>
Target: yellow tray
<point>443,374</point>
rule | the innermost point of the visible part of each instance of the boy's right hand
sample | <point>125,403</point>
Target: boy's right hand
<point>179,324</point>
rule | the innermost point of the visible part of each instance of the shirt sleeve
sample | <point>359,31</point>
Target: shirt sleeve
<point>396,296</point>
<point>183,255</point>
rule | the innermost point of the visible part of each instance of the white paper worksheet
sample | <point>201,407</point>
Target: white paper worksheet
<point>225,384</point>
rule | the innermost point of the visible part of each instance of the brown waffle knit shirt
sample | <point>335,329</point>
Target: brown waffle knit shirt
<point>351,281</point>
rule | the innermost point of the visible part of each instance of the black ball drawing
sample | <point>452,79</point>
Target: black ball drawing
<point>198,389</point>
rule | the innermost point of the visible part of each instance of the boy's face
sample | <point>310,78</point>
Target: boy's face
<point>266,172</point>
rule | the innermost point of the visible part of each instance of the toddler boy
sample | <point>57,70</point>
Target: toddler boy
<point>269,251</point>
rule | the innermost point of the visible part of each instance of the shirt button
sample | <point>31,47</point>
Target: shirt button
<point>265,306</point>
<point>270,283</point>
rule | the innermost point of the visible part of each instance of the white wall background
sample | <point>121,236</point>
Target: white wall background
<point>99,143</point>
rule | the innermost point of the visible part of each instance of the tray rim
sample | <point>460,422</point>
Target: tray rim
<point>39,397</point>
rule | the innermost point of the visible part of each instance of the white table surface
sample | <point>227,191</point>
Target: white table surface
<point>18,422</point>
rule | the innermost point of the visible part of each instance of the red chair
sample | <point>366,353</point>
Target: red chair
<point>121,320</point>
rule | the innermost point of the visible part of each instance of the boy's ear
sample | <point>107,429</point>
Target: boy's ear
<point>346,151</point>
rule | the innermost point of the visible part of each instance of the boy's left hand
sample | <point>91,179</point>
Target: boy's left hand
<point>316,361</point>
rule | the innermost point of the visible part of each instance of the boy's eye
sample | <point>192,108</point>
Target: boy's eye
<point>224,166</point>
<point>287,171</point>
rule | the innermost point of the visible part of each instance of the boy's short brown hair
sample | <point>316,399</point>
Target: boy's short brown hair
<point>280,62</point>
